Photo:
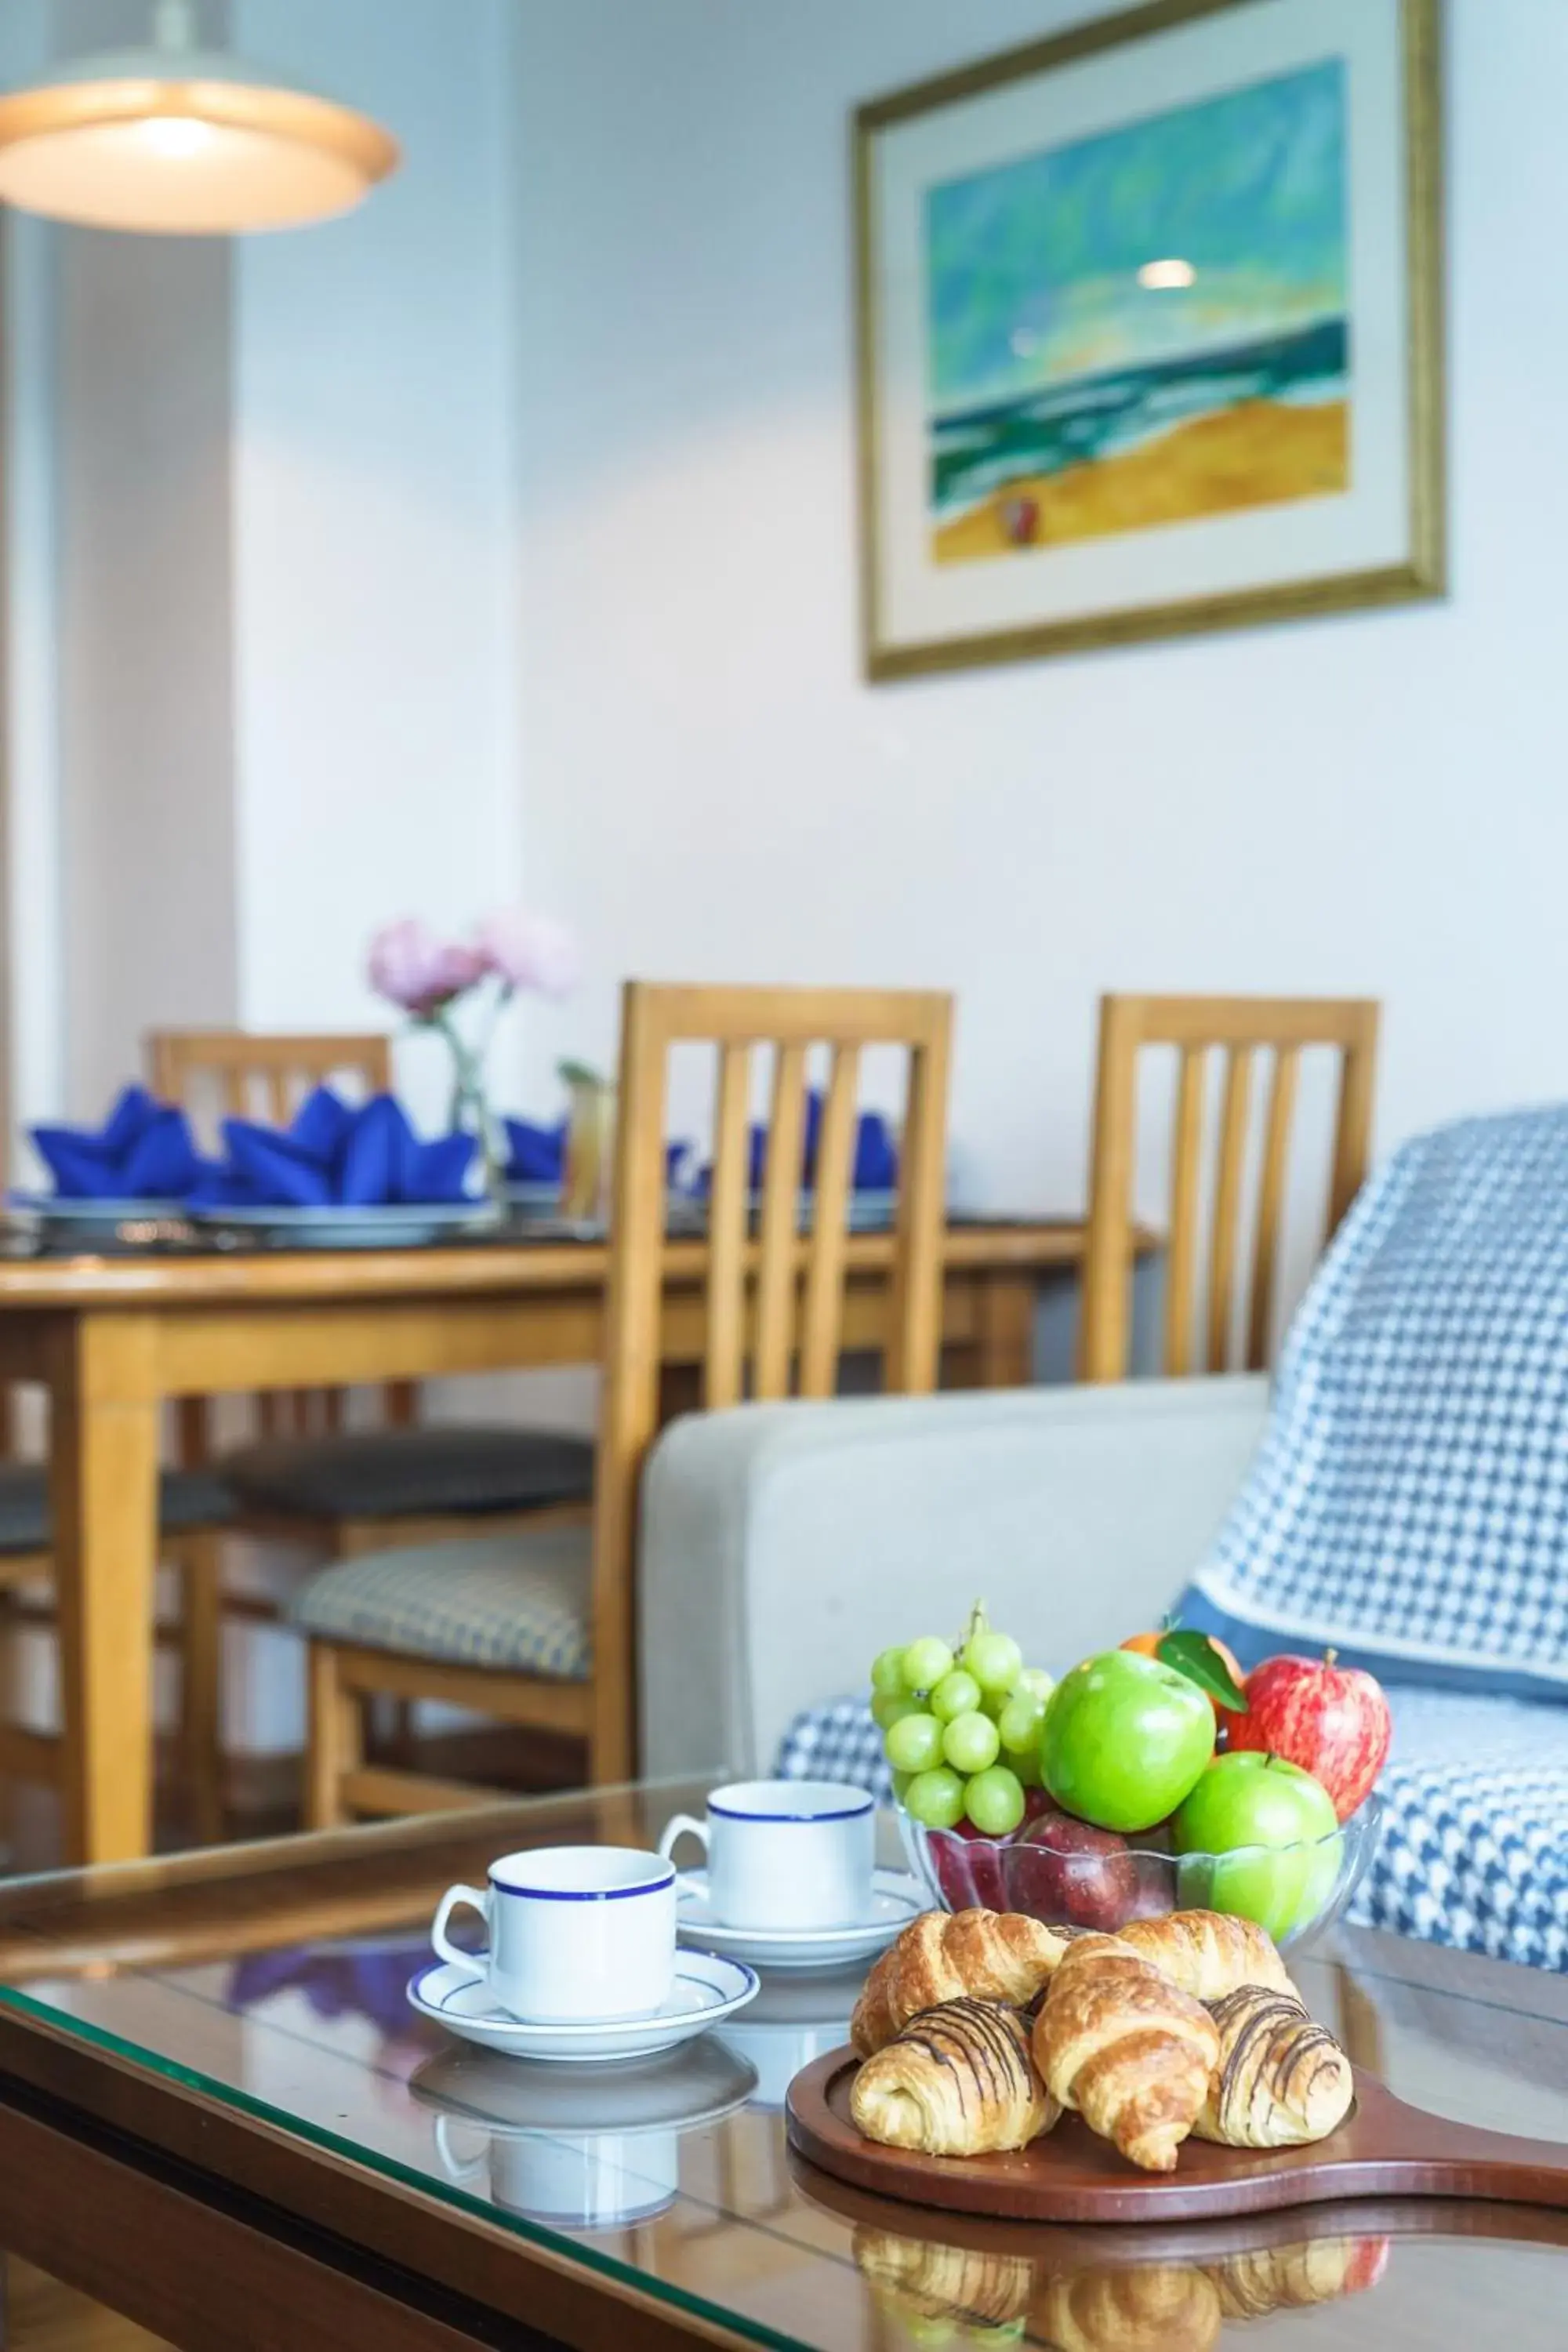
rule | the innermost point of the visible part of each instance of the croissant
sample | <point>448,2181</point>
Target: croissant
<point>1164,2307</point>
<point>958,2081</point>
<point>1208,1953</point>
<point>933,2281</point>
<point>989,1955</point>
<point>1282,2079</point>
<point>1129,2049</point>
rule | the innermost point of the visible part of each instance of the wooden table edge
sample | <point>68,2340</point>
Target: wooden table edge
<point>369,2212</point>
<point>38,1285</point>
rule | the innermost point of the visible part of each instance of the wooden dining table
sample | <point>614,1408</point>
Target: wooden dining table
<point>112,1338</point>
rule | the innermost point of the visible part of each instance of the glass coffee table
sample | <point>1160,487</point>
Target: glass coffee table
<point>219,2118</point>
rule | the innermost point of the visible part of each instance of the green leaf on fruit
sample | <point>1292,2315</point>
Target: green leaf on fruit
<point>1194,1656</point>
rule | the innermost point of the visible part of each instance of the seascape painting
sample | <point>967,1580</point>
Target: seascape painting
<point>1149,331</point>
<point>1143,326</point>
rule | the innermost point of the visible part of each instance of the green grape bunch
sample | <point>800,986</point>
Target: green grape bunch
<point>961,1727</point>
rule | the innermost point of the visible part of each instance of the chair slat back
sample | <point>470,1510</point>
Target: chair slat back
<point>261,1076</point>
<point>774,1294</point>
<point>238,1074</point>
<point>1244,1031</point>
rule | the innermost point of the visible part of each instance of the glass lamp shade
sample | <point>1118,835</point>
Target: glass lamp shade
<point>188,145</point>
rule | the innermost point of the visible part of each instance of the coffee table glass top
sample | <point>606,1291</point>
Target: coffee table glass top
<point>270,1980</point>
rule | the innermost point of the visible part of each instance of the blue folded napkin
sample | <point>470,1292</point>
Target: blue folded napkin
<point>142,1152</point>
<point>537,1155</point>
<point>331,1156</point>
<point>336,1984</point>
<point>874,1163</point>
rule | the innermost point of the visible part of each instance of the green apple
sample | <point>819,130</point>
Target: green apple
<point>1246,1807</point>
<point>1124,1740</point>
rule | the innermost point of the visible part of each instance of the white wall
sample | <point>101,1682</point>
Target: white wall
<point>1368,803</point>
<point>145,649</point>
<point>375,582</point>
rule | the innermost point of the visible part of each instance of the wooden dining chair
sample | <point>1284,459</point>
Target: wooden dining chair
<point>194,1508</point>
<point>243,1074</point>
<point>216,1074</point>
<point>310,1480</point>
<point>351,1490</point>
<point>539,1630</point>
<point>1247,1031</point>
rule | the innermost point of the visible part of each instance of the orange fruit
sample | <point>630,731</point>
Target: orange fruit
<point>1148,1646</point>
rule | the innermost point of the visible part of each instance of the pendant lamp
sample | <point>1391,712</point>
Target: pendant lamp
<point>175,140</point>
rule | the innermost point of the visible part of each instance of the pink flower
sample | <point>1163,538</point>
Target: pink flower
<point>418,972</point>
<point>528,951</point>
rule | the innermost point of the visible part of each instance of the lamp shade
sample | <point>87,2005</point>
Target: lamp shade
<point>177,141</point>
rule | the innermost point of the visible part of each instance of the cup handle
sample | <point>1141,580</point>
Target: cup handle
<point>458,2168</point>
<point>682,1825</point>
<point>474,1964</point>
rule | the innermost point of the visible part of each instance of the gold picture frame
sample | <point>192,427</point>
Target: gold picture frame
<point>1418,572</point>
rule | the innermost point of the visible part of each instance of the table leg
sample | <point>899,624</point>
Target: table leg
<point>104,1488</point>
<point>1004,1346</point>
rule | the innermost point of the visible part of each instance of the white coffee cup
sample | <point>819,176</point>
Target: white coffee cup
<point>577,1933</point>
<point>578,2181</point>
<point>785,1853</point>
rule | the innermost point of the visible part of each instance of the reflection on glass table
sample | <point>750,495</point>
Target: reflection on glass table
<point>261,1990</point>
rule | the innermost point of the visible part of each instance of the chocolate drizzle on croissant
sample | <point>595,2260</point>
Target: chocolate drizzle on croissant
<point>1282,2079</point>
<point>979,2040</point>
<point>958,2081</point>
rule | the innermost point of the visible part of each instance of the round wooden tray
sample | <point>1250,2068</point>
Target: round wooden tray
<point>1384,2149</point>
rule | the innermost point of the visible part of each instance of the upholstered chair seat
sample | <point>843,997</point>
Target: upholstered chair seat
<point>516,1602</point>
<point>382,1474</point>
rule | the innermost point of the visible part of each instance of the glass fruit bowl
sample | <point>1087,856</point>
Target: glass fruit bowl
<point>1069,1873</point>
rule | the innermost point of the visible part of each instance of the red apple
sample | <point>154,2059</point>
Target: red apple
<point>1333,1721</point>
<point>969,1868</point>
<point>1064,1870</point>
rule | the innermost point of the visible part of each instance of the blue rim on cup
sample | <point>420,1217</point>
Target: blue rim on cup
<point>645,1873</point>
<point>792,1800</point>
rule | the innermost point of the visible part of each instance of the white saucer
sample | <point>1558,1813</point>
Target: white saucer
<point>897,1898</point>
<point>680,2090</point>
<point>707,1989</point>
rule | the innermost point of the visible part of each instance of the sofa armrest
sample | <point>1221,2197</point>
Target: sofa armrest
<point>783,1545</point>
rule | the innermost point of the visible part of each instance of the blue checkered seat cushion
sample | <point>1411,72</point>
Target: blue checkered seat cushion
<point>516,1601</point>
<point>1474,1851</point>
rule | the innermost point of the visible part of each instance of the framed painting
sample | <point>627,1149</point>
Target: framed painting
<point>1151,331</point>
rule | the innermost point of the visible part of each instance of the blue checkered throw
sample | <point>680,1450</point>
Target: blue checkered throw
<point>1410,1502</point>
<point>1474,1851</point>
